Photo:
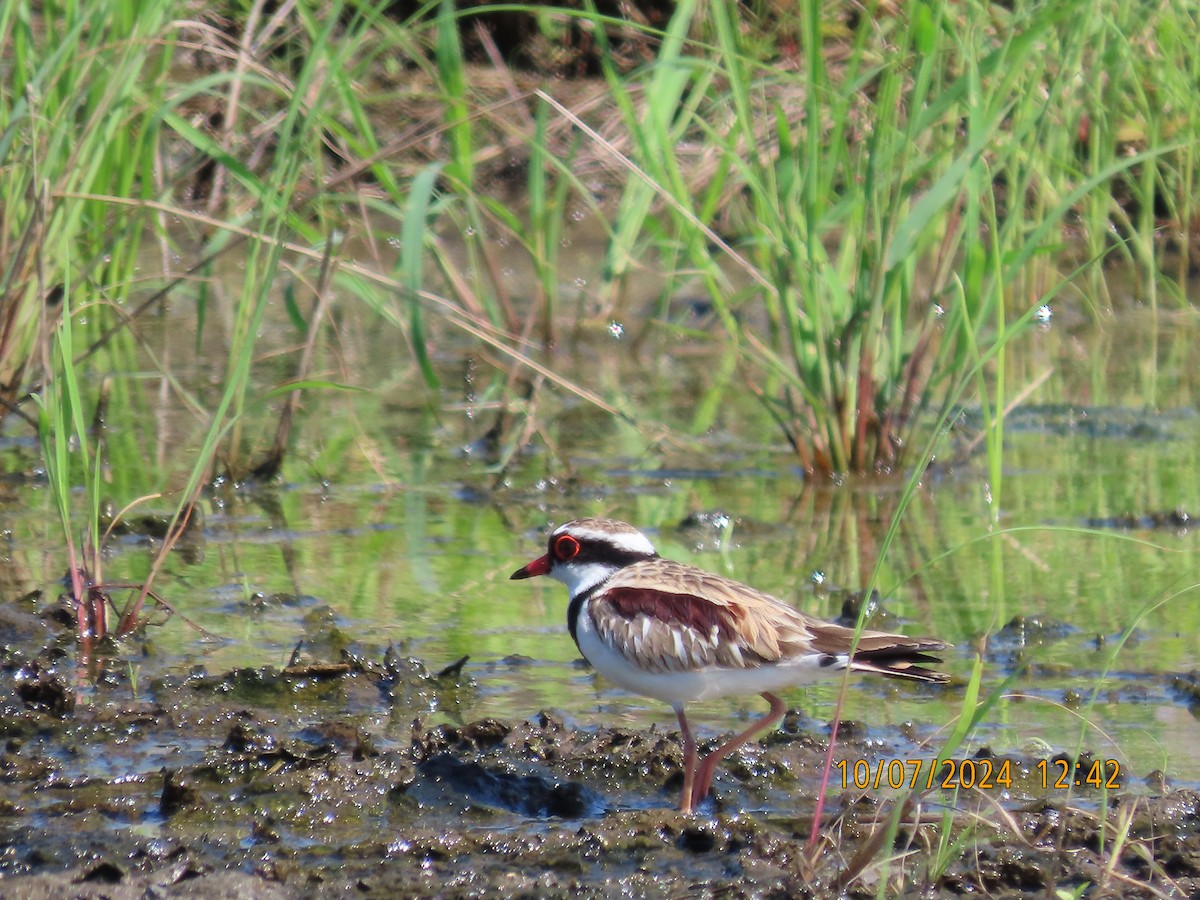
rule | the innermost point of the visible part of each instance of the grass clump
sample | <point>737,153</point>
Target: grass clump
<point>76,107</point>
<point>890,196</point>
<point>92,113</point>
<point>79,129</point>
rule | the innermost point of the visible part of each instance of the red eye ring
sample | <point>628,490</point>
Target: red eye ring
<point>566,547</point>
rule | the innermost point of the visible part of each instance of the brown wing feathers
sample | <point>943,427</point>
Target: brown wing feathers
<point>667,631</point>
<point>674,617</point>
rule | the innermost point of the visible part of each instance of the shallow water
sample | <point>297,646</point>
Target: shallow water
<point>394,526</point>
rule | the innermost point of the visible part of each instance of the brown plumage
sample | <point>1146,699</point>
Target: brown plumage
<point>725,623</point>
<point>672,631</point>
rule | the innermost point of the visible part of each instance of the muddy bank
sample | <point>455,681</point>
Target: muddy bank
<point>345,778</point>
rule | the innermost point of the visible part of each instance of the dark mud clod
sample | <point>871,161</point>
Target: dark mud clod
<point>40,688</point>
<point>103,873</point>
<point>486,732</point>
<point>247,737</point>
<point>1187,688</point>
<point>535,796</point>
<point>177,793</point>
<point>697,838</point>
<point>549,722</point>
<point>473,736</point>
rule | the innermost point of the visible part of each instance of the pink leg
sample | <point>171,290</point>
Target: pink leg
<point>708,767</point>
<point>689,761</point>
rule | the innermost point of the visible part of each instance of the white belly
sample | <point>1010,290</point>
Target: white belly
<point>695,684</point>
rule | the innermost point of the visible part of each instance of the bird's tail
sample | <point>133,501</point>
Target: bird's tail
<point>899,657</point>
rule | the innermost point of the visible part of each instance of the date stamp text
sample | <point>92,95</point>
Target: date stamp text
<point>977,774</point>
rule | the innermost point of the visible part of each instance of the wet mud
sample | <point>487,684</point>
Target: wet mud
<point>345,778</point>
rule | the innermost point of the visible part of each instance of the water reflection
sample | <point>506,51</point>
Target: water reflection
<point>1076,590</point>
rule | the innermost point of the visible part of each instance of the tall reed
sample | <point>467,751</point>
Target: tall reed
<point>91,114</point>
<point>76,125</point>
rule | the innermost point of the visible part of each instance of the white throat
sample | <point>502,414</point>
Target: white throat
<point>580,577</point>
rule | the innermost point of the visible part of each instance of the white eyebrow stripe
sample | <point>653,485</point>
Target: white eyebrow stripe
<point>629,541</point>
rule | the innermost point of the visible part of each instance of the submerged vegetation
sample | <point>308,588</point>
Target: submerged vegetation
<point>867,205</point>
